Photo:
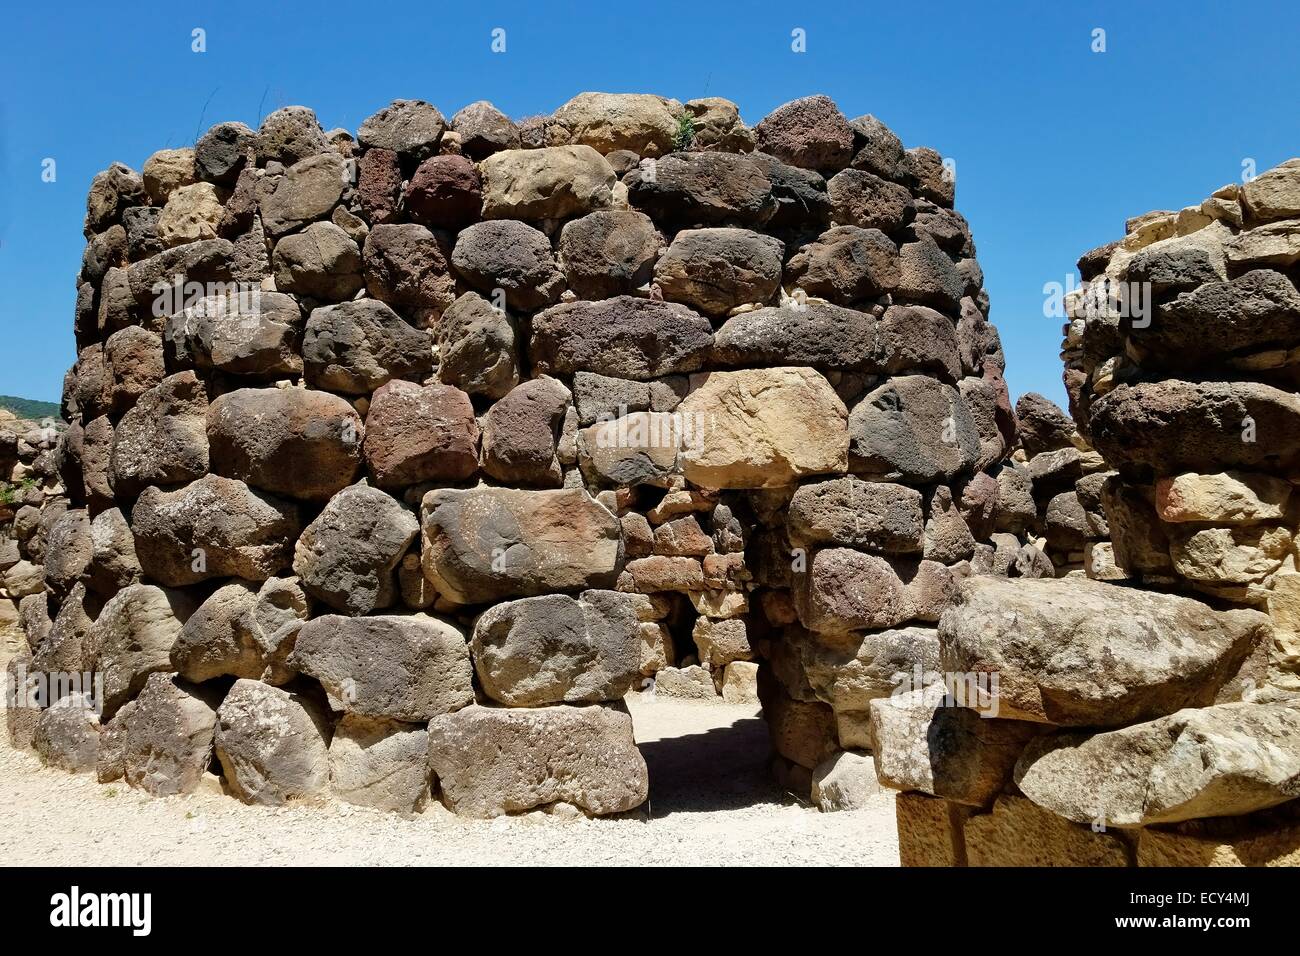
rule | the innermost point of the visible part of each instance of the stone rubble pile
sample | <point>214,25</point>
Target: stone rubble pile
<point>1154,721</point>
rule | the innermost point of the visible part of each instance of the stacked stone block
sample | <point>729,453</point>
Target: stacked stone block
<point>395,461</point>
<point>1154,721</point>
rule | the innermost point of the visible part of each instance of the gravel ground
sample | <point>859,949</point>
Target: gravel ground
<point>711,803</point>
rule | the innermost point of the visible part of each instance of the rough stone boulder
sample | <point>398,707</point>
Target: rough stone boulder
<point>477,348</point>
<point>1229,497</point>
<point>914,338</point>
<point>825,336</point>
<point>846,264</point>
<point>609,252</point>
<point>213,527</point>
<point>308,191</point>
<point>554,182</point>
<point>250,333</point>
<point>494,761</point>
<point>913,429</point>
<point>69,549</point>
<point>420,433</point>
<point>1076,652</point>
<point>810,133</point>
<point>411,128</point>
<point>761,428</point>
<point>290,441</point>
<point>870,515</point>
<point>640,122</point>
<point>484,130</point>
<point>347,556</point>
<point>511,256</point>
<point>405,267</point>
<point>703,188</point>
<point>401,667</point>
<point>290,134</point>
<point>922,742</point>
<point>558,649</point>
<point>133,637</point>
<point>355,347</point>
<point>1174,426</point>
<point>163,439</point>
<point>242,630</point>
<point>715,270</point>
<point>67,734</point>
<point>624,337</point>
<point>849,671</point>
<point>380,763</point>
<point>445,192</point>
<point>862,199</point>
<point>1226,760</point>
<point>844,590</point>
<point>640,448</point>
<point>487,544</point>
<point>134,357</point>
<point>273,744</point>
<point>521,433</point>
<point>163,738</point>
<point>1042,425</point>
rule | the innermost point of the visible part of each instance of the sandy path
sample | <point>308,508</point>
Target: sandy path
<point>711,803</point>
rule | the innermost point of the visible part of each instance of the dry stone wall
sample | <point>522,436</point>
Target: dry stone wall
<point>1153,721</point>
<point>396,460</point>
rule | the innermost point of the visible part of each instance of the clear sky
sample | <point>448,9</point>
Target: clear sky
<point>1055,144</point>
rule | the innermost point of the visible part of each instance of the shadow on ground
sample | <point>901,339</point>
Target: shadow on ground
<point>722,768</point>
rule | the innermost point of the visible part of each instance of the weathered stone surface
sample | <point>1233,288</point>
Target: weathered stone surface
<point>555,182</point>
<point>1224,760</point>
<point>811,133</point>
<point>846,264</point>
<point>846,781</point>
<point>1174,426</point>
<point>485,544</point>
<point>685,683</point>
<point>347,556</point>
<point>624,337</point>
<point>802,731</point>
<point>553,649</point>
<point>1230,497</point>
<point>521,433</point>
<point>308,191</point>
<point>166,171</point>
<point>1017,833</point>
<point>133,638</point>
<point>824,336</point>
<point>664,573</point>
<point>379,185</point>
<point>273,744</point>
<point>718,126</point>
<point>291,441</point>
<point>250,333</point>
<point>800,194</point>
<point>1076,652</point>
<point>850,671</point>
<point>477,348</point>
<point>511,256</point>
<point>1226,556</point>
<point>163,439</point>
<point>608,253</point>
<point>1274,194</point>
<point>355,347</point>
<point>1274,847</point>
<point>411,128</point>
<point>321,262</point>
<point>420,433</point>
<point>67,734</point>
<point>491,761</point>
<point>640,122</point>
<point>1139,537</point>
<point>242,630</point>
<point>403,667</point>
<point>926,833</point>
<point>762,428</point>
<point>111,191</point>
<point>290,134</point>
<point>715,270</point>
<point>740,683</point>
<point>213,527</point>
<point>874,516</point>
<point>444,193</point>
<point>166,736</point>
<point>404,267</point>
<point>926,275</point>
<point>1042,425</point>
<point>912,429</point>
<point>484,130</point>
<point>862,199</point>
<point>932,178</point>
<point>845,590</point>
<point>640,448</point>
<point>380,763</point>
<point>925,743</point>
<point>703,188</point>
<point>68,550</point>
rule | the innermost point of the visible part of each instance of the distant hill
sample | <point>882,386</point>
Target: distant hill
<point>29,408</point>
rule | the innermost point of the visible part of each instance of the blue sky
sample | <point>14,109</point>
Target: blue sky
<point>1055,145</point>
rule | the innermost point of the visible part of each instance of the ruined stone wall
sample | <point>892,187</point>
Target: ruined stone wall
<point>27,471</point>
<point>1154,721</point>
<point>396,461</point>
